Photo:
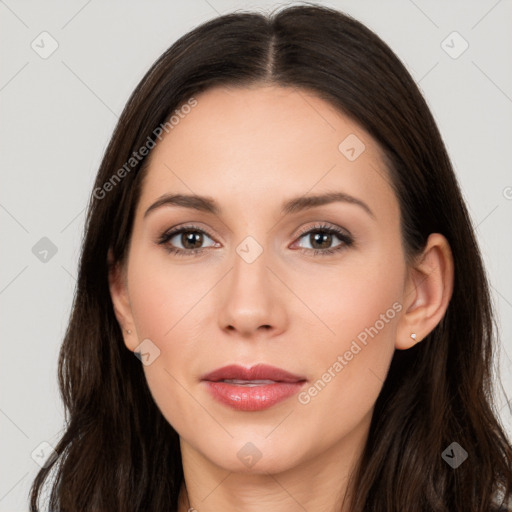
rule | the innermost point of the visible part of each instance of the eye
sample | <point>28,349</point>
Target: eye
<point>191,239</point>
<point>321,237</point>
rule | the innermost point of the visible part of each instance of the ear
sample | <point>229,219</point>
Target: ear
<point>121,302</point>
<point>427,293</point>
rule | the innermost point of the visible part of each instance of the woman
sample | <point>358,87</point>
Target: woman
<point>277,234</point>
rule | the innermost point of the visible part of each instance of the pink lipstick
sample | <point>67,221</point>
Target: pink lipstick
<point>252,389</point>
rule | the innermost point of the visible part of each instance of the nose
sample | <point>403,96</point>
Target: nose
<point>252,298</point>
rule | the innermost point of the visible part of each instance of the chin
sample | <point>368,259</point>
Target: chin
<point>255,455</point>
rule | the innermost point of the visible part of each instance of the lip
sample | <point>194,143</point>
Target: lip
<point>252,394</point>
<point>256,372</point>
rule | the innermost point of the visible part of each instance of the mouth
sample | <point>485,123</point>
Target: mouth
<point>259,373</point>
<point>249,383</point>
<point>252,389</point>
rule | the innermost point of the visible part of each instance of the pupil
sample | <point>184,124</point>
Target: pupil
<point>326,237</point>
<point>189,237</point>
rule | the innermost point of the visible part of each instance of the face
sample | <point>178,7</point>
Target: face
<point>270,277</point>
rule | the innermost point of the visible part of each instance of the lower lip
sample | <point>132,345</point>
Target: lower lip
<point>252,398</point>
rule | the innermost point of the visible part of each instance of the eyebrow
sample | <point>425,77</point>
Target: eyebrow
<point>297,204</point>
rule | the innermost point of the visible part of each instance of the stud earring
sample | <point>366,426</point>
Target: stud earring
<point>413,336</point>
<point>128,331</point>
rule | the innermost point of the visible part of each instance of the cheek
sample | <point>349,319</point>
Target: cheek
<point>168,309</point>
<point>354,296</point>
<point>164,296</point>
<point>350,362</point>
<point>348,372</point>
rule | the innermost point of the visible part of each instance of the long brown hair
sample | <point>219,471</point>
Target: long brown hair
<point>118,453</point>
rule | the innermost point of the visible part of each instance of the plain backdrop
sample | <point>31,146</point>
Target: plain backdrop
<point>58,111</point>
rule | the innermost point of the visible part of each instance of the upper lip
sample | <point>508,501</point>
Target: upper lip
<point>257,372</point>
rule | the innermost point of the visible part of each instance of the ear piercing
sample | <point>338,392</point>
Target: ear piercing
<point>128,331</point>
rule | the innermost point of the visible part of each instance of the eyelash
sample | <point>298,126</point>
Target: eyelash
<point>344,237</point>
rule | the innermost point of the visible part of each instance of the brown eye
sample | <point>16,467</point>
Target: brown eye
<point>190,239</point>
<point>321,239</point>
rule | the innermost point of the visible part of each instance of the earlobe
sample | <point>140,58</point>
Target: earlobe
<point>427,292</point>
<point>120,301</point>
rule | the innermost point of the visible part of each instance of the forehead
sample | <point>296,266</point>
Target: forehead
<point>262,122</point>
<point>260,144</point>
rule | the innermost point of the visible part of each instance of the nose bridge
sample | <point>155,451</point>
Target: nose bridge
<point>250,273</point>
<point>251,299</point>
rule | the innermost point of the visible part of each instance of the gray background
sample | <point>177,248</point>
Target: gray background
<point>57,114</point>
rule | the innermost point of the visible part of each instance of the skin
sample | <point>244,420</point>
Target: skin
<point>250,149</point>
